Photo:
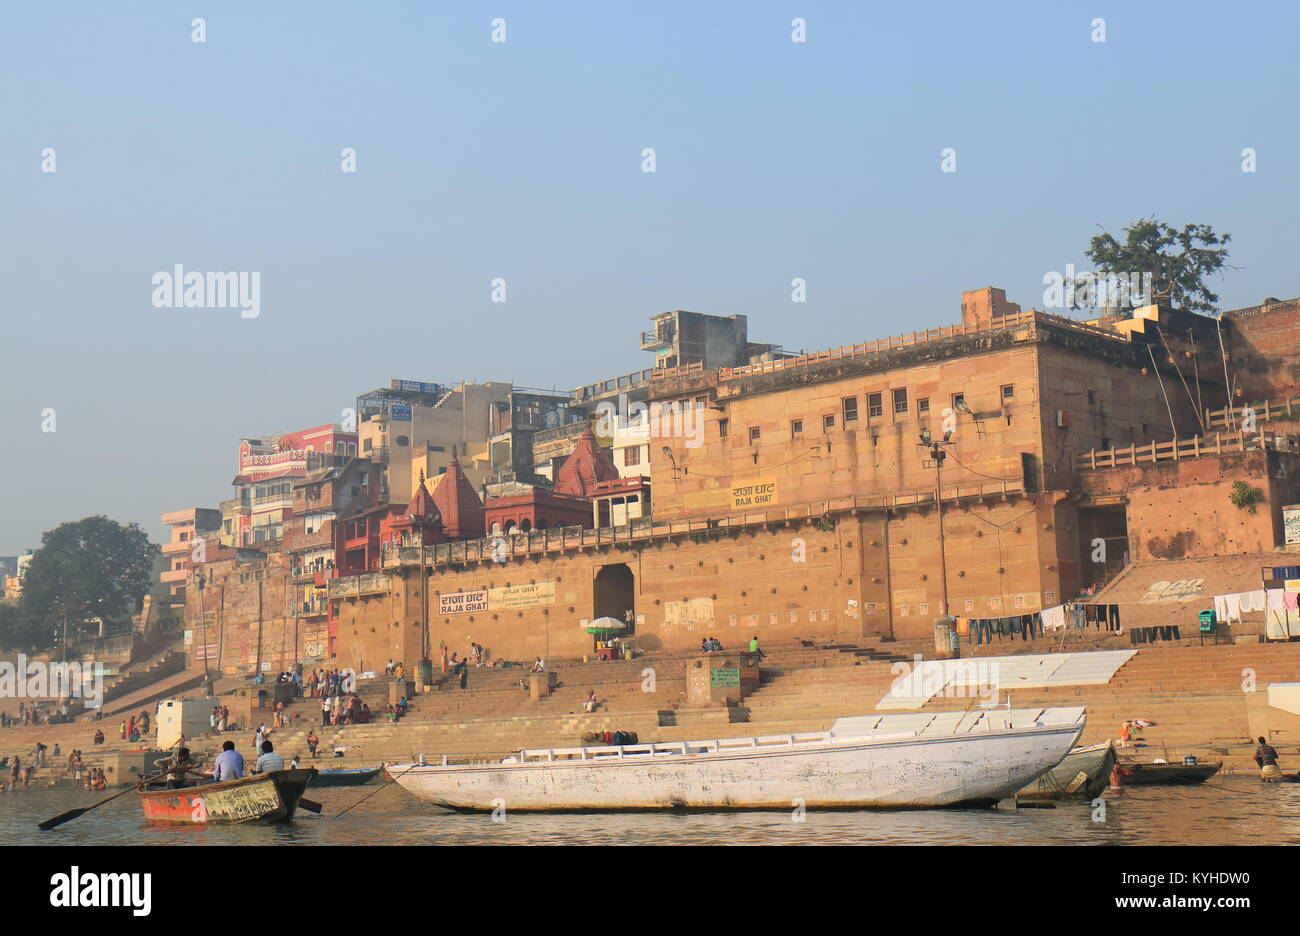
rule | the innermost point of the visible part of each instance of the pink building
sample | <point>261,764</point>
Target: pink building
<point>268,469</point>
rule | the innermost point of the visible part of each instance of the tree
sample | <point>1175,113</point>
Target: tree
<point>91,568</point>
<point>16,631</point>
<point>1179,262</point>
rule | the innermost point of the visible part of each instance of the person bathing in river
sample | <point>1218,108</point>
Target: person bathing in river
<point>1266,758</point>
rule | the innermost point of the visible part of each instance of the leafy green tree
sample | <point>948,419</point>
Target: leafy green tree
<point>16,630</point>
<point>91,568</point>
<point>1179,262</point>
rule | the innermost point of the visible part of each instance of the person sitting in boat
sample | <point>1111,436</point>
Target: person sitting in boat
<point>269,760</point>
<point>1266,759</point>
<point>177,767</point>
<point>229,764</point>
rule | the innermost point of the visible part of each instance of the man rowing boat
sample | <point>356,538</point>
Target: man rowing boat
<point>177,767</point>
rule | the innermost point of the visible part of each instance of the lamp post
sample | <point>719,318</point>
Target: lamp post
<point>199,584</point>
<point>938,453</point>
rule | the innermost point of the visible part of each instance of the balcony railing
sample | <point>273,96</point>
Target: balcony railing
<point>1181,449</point>
<point>646,529</point>
<point>1265,411</point>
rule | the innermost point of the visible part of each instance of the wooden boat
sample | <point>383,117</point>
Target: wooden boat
<point>355,776</point>
<point>1135,773</point>
<point>268,797</point>
<point>916,760</point>
<point>1083,773</point>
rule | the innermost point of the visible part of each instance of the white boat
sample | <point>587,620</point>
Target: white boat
<point>923,759</point>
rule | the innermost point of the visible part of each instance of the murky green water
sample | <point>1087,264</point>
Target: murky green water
<point>1231,811</point>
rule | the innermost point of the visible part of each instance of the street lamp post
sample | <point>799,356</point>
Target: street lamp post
<point>938,452</point>
<point>199,584</point>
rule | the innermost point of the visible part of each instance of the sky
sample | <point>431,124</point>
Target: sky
<point>523,160</point>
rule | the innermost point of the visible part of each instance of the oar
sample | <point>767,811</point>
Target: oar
<point>310,805</point>
<point>74,813</point>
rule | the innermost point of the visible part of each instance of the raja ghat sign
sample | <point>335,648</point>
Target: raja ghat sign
<point>760,493</point>
<point>507,598</point>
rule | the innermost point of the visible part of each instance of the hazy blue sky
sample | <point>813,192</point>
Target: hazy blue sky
<point>522,160</point>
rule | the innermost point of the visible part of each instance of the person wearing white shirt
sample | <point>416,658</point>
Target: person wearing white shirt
<point>269,760</point>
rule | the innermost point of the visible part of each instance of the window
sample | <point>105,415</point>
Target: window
<point>900,402</point>
<point>923,407</point>
<point>1092,397</point>
<point>754,434</point>
<point>828,422</point>
<point>402,440</point>
<point>366,445</point>
<point>632,455</point>
<point>957,399</point>
<point>701,402</point>
<point>722,428</point>
<point>1008,392</point>
<point>875,408</point>
<point>850,407</point>
<point>796,428</point>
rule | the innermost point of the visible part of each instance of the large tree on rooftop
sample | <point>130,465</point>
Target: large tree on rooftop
<point>90,568</point>
<point>1180,262</point>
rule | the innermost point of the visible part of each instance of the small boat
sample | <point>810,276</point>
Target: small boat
<point>1135,773</point>
<point>1083,773</point>
<point>914,760</point>
<point>354,776</point>
<point>268,797</point>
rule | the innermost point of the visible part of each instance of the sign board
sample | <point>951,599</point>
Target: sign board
<point>401,411</point>
<point>760,493</point>
<point>520,597</point>
<point>1291,524</point>
<point>462,602</point>
<point>508,598</point>
<point>724,678</point>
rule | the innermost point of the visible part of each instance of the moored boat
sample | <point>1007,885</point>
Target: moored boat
<point>1083,773</point>
<point>354,776</point>
<point>917,760</point>
<point>1136,773</point>
<point>267,797</point>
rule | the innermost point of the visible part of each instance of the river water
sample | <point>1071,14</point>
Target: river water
<point>1227,811</point>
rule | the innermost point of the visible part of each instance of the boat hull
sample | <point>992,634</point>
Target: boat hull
<point>1083,774</point>
<point>976,769</point>
<point>269,797</point>
<point>331,778</point>
<point>1167,774</point>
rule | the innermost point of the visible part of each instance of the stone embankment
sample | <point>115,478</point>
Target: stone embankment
<point>1195,696</point>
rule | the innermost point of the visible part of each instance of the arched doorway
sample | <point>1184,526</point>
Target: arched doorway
<point>615,595</point>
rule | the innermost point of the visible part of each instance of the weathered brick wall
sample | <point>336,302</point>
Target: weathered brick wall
<point>1181,509</point>
<point>1264,346</point>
